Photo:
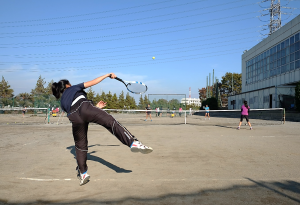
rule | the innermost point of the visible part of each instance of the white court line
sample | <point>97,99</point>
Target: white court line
<point>45,180</point>
<point>164,180</point>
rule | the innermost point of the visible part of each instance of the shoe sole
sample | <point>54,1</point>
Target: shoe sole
<point>144,151</point>
<point>135,149</point>
<point>86,180</point>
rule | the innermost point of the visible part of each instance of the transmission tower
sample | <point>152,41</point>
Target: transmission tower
<point>275,15</point>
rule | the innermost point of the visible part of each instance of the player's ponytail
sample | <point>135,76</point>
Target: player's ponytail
<point>246,104</point>
<point>59,88</point>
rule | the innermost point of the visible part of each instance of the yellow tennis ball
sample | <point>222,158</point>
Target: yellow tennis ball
<point>153,57</point>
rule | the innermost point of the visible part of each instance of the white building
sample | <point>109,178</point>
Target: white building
<point>190,101</point>
<point>271,69</point>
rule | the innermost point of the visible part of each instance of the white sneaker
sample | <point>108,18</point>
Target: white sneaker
<point>84,178</point>
<point>137,146</point>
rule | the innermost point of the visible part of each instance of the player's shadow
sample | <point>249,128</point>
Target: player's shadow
<point>100,160</point>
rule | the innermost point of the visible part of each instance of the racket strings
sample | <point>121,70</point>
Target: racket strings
<point>137,88</point>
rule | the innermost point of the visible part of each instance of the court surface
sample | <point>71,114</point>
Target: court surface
<point>204,162</point>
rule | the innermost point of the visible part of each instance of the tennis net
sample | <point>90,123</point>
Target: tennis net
<point>229,118</point>
<point>19,115</point>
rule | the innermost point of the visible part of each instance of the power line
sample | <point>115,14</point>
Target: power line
<point>178,50</point>
<point>85,31</point>
<point>74,21</point>
<point>122,64</point>
<point>174,42</point>
<point>100,37</point>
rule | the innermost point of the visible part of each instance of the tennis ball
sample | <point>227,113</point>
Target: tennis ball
<point>153,57</point>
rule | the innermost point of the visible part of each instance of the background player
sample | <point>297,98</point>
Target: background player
<point>244,114</point>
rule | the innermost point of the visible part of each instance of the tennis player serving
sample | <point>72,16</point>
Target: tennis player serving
<point>81,112</point>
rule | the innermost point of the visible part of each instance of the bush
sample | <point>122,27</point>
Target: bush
<point>211,102</point>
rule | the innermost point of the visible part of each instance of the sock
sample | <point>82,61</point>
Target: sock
<point>84,172</point>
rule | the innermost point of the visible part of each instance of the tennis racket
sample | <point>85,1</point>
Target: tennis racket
<point>134,86</point>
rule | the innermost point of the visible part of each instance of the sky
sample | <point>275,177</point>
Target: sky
<point>82,40</point>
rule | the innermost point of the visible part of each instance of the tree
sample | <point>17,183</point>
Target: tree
<point>141,103</point>
<point>49,88</point>
<point>202,94</point>
<point>211,102</point>
<point>6,93</point>
<point>297,96</point>
<point>39,87</point>
<point>226,88</point>
<point>121,100</point>
<point>91,94</point>
<point>146,101</point>
<point>109,100</point>
<point>114,102</point>
<point>130,102</point>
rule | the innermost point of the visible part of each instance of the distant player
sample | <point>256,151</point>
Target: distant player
<point>207,112</point>
<point>148,113</point>
<point>180,111</point>
<point>24,111</point>
<point>81,112</point>
<point>244,114</point>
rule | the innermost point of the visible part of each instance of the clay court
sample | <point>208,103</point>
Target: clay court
<point>201,162</point>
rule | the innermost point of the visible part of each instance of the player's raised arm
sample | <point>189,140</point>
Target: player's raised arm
<point>99,79</point>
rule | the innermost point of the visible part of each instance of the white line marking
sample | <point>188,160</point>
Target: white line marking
<point>45,180</point>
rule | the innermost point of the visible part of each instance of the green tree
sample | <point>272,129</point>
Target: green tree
<point>6,93</point>
<point>130,102</point>
<point>231,85</point>
<point>297,96</point>
<point>114,102</point>
<point>49,88</point>
<point>39,87</point>
<point>91,94</point>
<point>109,100</point>
<point>121,100</point>
<point>146,101</point>
<point>141,103</point>
<point>5,90</point>
<point>211,102</point>
<point>103,97</point>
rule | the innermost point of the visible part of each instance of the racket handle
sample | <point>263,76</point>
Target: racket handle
<point>119,79</point>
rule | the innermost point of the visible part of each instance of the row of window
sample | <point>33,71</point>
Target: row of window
<point>283,57</point>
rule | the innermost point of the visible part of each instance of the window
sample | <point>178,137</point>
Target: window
<point>292,40</point>
<point>297,45</point>
<point>292,66</point>
<point>297,64</point>
<point>297,37</point>
<point>297,55</point>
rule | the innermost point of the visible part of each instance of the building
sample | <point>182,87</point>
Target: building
<point>190,101</point>
<point>270,70</point>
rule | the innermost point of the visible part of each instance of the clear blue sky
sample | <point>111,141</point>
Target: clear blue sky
<point>81,40</point>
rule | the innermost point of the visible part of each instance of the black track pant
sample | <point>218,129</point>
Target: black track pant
<point>84,112</point>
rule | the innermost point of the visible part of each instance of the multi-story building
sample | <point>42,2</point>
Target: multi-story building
<point>271,69</point>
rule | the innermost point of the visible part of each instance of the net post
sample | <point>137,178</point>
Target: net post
<point>283,115</point>
<point>48,114</point>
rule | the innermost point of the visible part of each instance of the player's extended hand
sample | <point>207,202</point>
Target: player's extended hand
<point>112,76</point>
<point>101,104</point>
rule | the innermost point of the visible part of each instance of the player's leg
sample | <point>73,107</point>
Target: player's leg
<point>241,120</point>
<point>247,119</point>
<point>80,128</point>
<point>96,115</point>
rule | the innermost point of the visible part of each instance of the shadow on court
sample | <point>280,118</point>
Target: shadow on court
<point>100,160</point>
<point>260,192</point>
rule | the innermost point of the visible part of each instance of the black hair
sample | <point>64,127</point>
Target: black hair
<point>59,88</point>
<point>246,104</point>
